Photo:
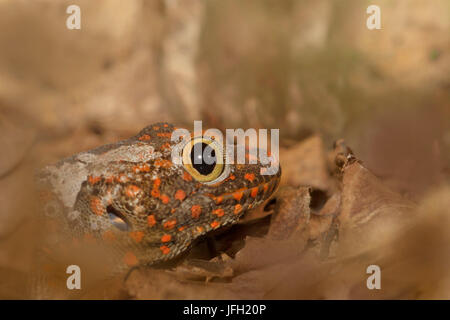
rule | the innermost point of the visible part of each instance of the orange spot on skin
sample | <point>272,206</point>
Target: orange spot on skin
<point>164,134</point>
<point>109,235</point>
<point>219,200</point>
<point>219,212</point>
<point>109,179</point>
<point>130,259</point>
<point>165,199</point>
<point>163,163</point>
<point>165,125</point>
<point>199,229</point>
<point>232,176</point>
<point>215,224</point>
<point>96,206</point>
<point>180,195</point>
<point>187,176</point>
<point>156,182</point>
<point>254,192</point>
<point>93,180</point>
<point>156,128</point>
<point>155,193</point>
<point>238,195</point>
<point>144,137</point>
<point>181,228</point>
<point>170,224</point>
<point>165,249</point>
<point>166,238</point>
<point>137,236</point>
<point>237,208</point>
<point>249,176</point>
<point>265,187</point>
<point>172,210</point>
<point>151,221</point>
<point>132,191</point>
<point>165,146</point>
<point>196,210</point>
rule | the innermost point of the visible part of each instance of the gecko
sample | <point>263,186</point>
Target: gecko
<point>133,198</point>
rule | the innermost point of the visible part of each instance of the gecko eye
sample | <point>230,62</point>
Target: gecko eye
<point>203,159</point>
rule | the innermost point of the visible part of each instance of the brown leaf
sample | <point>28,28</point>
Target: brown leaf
<point>368,204</point>
<point>291,212</point>
<point>305,165</point>
<point>197,269</point>
<point>160,284</point>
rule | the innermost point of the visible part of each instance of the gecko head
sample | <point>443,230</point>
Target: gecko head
<point>204,170</point>
<point>158,204</point>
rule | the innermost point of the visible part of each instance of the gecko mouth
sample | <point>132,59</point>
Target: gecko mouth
<point>249,197</point>
<point>118,219</point>
<point>261,192</point>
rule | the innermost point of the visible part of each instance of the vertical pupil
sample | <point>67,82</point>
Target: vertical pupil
<point>203,158</point>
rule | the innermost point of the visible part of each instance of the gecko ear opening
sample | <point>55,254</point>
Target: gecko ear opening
<point>203,159</point>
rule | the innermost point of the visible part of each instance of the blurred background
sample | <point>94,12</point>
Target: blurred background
<point>305,66</point>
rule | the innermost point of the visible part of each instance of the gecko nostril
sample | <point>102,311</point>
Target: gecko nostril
<point>117,219</point>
